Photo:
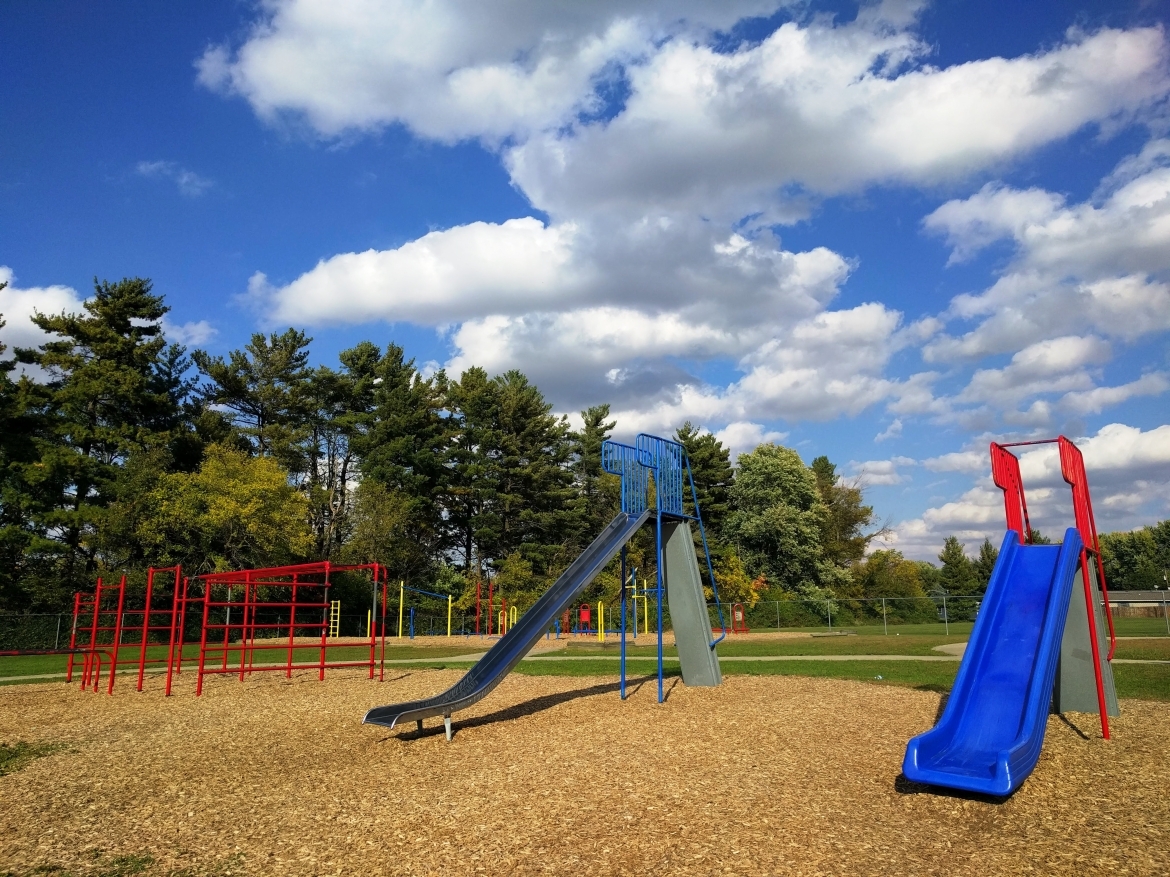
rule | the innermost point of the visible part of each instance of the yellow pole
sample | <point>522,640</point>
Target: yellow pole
<point>645,614</point>
<point>513,614</point>
<point>448,615</point>
<point>600,622</point>
<point>401,595</point>
<point>369,622</point>
<point>501,622</point>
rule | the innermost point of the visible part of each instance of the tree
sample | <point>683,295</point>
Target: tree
<point>958,574</point>
<point>109,391</point>
<point>380,531</point>
<point>886,574</point>
<point>264,387</point>
<point>985,565</point>
<point>234,512</point>
<point>713,475</point>
<point>1135,560</point>
<point>777,521</point>
<point>597,493</point>
<point>845,539</point>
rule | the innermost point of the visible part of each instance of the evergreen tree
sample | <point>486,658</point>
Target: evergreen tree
<point>985,564</point>
<point>109,391</point>
<point>845,539</point>
<point>400,437</point>
<point>958,574</point>
<point>598,497</point>
<point>713,475</point>
<point>264,386</point>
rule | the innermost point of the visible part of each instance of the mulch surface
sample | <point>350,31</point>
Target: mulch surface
<point>555,775</point>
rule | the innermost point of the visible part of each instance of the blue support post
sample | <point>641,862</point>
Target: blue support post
<point>623,661</point>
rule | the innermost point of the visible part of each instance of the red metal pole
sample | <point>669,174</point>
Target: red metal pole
<point>489,616</point>
<point>1092,612</point>
<point>292,626</point>
<point>324,626</point>
<point>89,658</point>
<point>203,639</point>
<point>145,626</point>
<point>478,609</point>
<point>171,640</point>
<point>182,624</point>
<point>73,635</point>
<point>382,668</point>
<point>244,623</point>
<point>227,623</point>
<point>117,635</point>
<point>370,632</point>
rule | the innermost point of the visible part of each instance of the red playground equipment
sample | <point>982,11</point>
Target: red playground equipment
<point>739,619</point>
<point>279,610</point>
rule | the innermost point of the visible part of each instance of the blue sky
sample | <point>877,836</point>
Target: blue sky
<point>887,233</point>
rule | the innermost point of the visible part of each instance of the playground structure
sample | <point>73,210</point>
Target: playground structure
<point>1036,644</point>
<point>283,611</point>
<point>739,619</point>
<point>402,589</point>
<point>650,460</point>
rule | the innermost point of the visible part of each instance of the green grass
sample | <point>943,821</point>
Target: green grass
<point>35,665</point>
<point>1143,649</point>
<point>919,644</point>
<point>1140,627</point>
<point>1142,681</point>
<point>14,757</point>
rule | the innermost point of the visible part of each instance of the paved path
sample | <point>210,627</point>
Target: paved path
<point>472,658</point>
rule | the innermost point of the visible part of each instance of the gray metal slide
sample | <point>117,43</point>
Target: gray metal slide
<point>517,642</point>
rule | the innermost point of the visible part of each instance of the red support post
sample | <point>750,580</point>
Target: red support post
<point>117,635</point>
<point>203,638</point>
<point>490,606</point>
<point>73,636</point>
<point>324,624</point>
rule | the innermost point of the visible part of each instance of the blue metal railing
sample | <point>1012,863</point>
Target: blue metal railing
<point>626,461</point>
<point>666,459</point>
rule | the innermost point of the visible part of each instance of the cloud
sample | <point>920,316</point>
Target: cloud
<point>1100,267</point>
<point>894,430</point>
<point>1128,471</point>
<point>827,109</point>
<point>18,305</point>
<point>452,69</point>
<point>189,334</point>
<point>880,472</point>
<point>188,182</point>
<point>744,436</point>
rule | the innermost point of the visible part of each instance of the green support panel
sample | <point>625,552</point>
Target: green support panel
<point>688,607</point>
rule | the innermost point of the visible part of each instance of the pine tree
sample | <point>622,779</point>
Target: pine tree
<point>713,475</point>
<point>985,564</point>
<point>597,494</point>
<point>958,575</point>
<point>845,538</point>
<point>264,386</point>
<point>109,392</point>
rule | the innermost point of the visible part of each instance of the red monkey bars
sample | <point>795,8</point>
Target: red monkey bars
<point>1005,472</point>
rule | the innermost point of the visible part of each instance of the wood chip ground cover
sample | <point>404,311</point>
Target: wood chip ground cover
<point>554,775</point>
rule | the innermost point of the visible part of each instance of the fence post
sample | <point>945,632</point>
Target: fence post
<point>946,617</point>
<point>829,606</point>
<point>1164,615</point>
<point>885,629</point>
<point>57,639</point>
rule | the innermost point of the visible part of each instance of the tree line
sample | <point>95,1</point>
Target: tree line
<point>120,450</point>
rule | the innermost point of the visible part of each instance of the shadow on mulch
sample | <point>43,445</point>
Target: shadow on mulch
<point>904,786</point>
<point>527,708</point>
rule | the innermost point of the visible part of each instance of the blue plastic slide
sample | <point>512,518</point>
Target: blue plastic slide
<point>990,734</point>
<point>519,640</point>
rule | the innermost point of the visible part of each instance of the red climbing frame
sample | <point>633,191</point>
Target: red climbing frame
<point>1005,472</point>
<point>268,610</point>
